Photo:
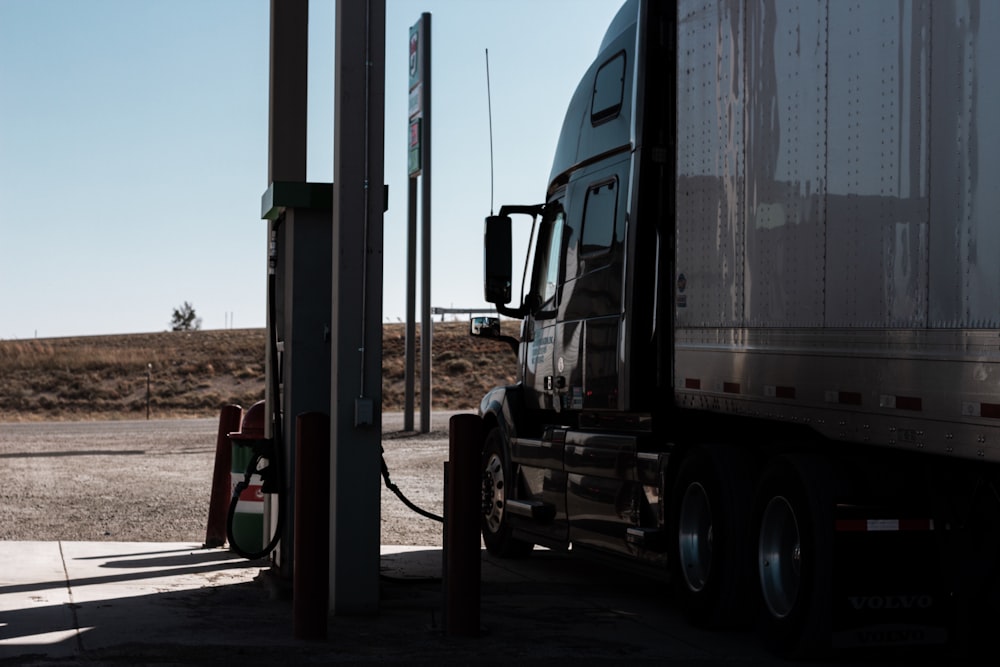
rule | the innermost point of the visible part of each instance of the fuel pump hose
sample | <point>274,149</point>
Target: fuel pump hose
<point>399,494</point>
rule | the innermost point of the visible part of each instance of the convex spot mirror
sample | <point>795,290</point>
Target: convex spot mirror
<point>485,326</point>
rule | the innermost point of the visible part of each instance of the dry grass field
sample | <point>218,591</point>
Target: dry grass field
<point>193,374</point>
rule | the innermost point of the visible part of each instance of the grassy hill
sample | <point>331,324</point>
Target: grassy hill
<point>195,373</point>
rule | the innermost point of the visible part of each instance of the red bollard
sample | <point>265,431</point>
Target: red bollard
<point>462,525</point>
<point>311,553</point>
<point>218,506</point>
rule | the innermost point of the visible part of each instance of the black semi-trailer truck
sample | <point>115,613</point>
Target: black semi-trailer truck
<point>760,324</point>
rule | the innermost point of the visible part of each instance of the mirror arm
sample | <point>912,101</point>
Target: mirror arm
<point>514,343</point>
<point>533,210</point>
<point>517,313</point>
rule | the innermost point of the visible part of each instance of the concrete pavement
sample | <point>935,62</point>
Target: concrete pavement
<point>126,603</point>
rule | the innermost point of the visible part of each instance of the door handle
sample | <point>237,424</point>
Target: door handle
<point>554,383</point>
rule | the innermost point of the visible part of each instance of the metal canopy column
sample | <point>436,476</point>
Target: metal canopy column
<point>286,164</point>
<point>356,386</point>
<point>286,136</point>
<point>286,127</point>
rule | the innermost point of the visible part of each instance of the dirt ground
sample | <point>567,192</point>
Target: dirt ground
<point>179,374</point>
<point>150,481</point>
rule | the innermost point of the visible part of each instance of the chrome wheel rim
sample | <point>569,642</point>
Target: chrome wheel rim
<point>779,557</point>
<point>695,535</point>
<point>493,493</point>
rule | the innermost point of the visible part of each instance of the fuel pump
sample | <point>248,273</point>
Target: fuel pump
<point>298,363</point>
<point>253,431</point>
<point>263,461</point>
<point>299,294</point>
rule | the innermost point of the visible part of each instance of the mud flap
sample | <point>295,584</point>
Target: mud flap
<point>889,588</point>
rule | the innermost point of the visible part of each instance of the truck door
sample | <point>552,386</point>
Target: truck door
<point>539,325</point>
<point>602,492</point>
<point>587,351</point>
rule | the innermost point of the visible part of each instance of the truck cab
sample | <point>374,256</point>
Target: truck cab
<point>589,298</point>
<point>588,313</point>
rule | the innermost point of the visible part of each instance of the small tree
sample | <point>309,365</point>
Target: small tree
<point>185,319</point>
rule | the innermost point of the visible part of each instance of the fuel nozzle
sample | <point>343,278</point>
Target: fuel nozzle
<point>251,435</point>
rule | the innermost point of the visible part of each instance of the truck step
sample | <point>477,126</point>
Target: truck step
<point>531,509</point>
<point>654,539</point>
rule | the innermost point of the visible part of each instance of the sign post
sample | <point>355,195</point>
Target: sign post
<point>419,166</point>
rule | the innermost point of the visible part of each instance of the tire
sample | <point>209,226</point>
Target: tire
<point>793,513</point>
<point>497,484</point>
<point>711,559</point>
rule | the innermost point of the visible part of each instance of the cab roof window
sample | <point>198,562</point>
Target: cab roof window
<point>609,90</point>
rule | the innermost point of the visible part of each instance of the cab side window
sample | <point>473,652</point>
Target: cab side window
<point>599,215</point>
<point>550,273</point>
<point>548,265</point>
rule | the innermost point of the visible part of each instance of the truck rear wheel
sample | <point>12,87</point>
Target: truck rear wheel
<point>793,512</point>
<point>711,557</point>
<point>497,485</point>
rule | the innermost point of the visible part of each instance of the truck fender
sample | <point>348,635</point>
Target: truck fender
<point>501,408</point>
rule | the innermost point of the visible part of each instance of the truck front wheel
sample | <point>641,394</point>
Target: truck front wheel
<point>497,485</point>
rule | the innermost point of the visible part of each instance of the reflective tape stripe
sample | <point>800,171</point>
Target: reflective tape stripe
<point>882,525</point>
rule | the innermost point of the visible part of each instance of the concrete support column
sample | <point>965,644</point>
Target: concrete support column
<point>356,385</point>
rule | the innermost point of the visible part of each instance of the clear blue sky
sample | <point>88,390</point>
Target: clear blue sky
<point>133,149</point>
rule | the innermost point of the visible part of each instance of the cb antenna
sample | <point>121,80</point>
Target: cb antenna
<point>489,107</point>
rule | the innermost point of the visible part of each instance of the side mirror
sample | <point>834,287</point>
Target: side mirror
<point>497,259</point>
